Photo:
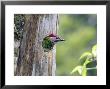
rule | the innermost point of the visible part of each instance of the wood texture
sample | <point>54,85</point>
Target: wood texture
<point>32,60</point>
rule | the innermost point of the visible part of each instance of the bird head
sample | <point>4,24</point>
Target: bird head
<point>55,38</point>
<point>49,42</point>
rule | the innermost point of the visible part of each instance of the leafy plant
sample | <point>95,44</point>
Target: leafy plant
<point>88,63</point>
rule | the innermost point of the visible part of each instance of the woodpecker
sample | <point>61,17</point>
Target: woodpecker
<point>49,42</point>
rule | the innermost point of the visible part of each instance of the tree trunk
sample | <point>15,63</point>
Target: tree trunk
<point>32,60</point>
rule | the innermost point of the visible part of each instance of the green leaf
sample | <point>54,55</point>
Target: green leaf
<point>87,61</point>
<point>77,69</point>
<point>84,71</point>
<point>86,54</point>
<point>94,48</point>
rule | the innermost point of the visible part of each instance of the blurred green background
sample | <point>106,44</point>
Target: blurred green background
<point>80,33</point>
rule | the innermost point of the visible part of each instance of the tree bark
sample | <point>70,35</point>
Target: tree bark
<point>32,60</point>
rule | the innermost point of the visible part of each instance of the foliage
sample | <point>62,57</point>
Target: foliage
<point>19,20</point>
<point>80,34</point>
<point>86,59</point>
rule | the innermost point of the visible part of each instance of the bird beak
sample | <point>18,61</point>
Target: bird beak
<point>58,40</point>
<point>62,40</point>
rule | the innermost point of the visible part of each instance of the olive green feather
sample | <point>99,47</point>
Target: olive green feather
<point>47,44</point>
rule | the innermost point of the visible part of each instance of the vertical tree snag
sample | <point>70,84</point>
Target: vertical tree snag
<point>32,60</point>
